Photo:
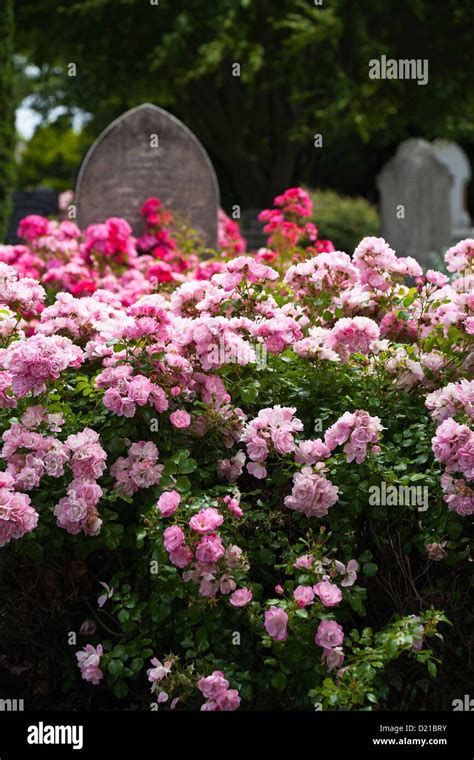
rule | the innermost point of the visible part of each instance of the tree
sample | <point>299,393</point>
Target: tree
<point>7,112</point>
<point>52,156</point>
<point>303,70</point>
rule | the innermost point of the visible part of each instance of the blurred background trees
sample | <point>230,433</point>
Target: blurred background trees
<point>7,113</point>
<point>304,71</point>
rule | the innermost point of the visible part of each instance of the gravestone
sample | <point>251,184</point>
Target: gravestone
<point>252,229</point>
<point>42,201</point>
<point>148,152</point>
<point>452,155</point>
<point>415,189</point>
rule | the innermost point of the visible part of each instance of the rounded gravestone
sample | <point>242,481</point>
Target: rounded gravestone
<point>148,152</point>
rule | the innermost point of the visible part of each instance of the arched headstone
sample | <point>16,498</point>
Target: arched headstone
<point>415,205</point>
<point>453,156</point>
<point>148,152</point>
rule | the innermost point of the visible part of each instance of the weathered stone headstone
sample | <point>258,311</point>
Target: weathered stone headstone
<point>43,202</point>
<point>148,152</point>
<point>453,156</point>
<point>252,229</point>
<point>415,189</point>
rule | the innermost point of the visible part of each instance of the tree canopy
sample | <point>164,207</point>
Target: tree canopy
<point>304,71</point>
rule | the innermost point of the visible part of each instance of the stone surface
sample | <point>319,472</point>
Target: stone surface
<point>252,229</point>
<point>148,152</point>
<point>417,184</point>
<point>42,201</point>
<point>453,156</point>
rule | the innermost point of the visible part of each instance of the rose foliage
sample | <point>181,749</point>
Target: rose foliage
<point>203,437</point>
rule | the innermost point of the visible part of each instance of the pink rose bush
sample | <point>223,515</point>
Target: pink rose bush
<point>232,446</point>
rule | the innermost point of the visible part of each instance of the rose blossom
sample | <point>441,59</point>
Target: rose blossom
<point>329,593</point>
<point>241,597</point>
<point>275,624</point>
<point>329,634</point>
<point>168,503</point>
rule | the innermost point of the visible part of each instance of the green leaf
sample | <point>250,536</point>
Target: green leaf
<point>183,484</point>
<point>279,681</point>
<point>188,466</point>
<point>121,689</point>
<point>370,568</point>
<point>115,667</point>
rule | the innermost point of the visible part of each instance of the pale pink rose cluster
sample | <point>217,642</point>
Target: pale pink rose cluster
<point>231,469</point>
<point>320,568</point>
<point>233,505</point>
<point>76,512</point>
<point>276,623</point>
<point>30,455</point>
<point>243,267</point>
<point>452,399</point>
<point>125,391</point>
<point>272,431</point>
<point>87,455</point>
<point>315,346</point>
<point>215,689</point>
<point>354,335</point>
<point>460,257</point>
<point>358,431</point>
<point>213,566</point>
<point>458,495</point>
<point>312,493</point>
<point>332,271</point>
<point>88,660</point>
<point>36,360</point>
<point>139,469</point>
<point>25,293</point>
<point>330,636</point>
<point>277,333</point>
<point>453,446</point>
<point>81,317</point>
<point>379,266</point>
<point>329,594</point>
<point>156,675</point>
<point>17,516</point>
<point>7,401</point>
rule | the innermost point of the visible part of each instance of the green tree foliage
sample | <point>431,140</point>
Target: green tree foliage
<point>7,113</point>
<point>343,219</point>
<point>52,156</point>
<point>304,70</point>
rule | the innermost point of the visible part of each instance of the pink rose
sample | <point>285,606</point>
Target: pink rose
<point>304,595</point>
<point>329,593</point>
<point>329,634</point>
<point>241,597</point>
<point>173,538</point>
<point>181,556</point>
<point>213,686</point>
<point>168,503</point>
<point>180,419</point>
<point>333,658</point>
<point>205,520</point>
<point>209,549</point>
<point>276,621</point>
